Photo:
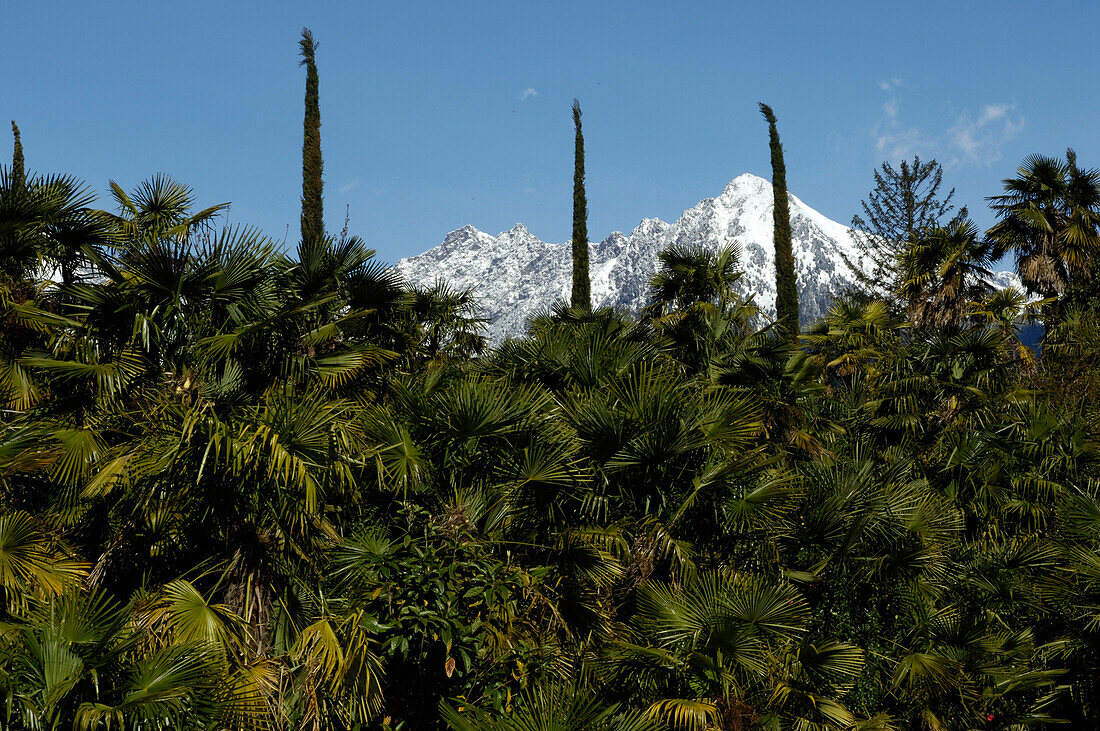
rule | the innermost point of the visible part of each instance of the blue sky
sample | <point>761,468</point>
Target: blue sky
<point>440,114</point>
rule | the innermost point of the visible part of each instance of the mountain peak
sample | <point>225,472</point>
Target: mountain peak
<point>461,234</point>
<point>518,235</point>
<point>515,274</point>
<point>746,183</point>
<point>648,226</point>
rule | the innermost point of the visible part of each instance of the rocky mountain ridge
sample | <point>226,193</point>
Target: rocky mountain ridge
<point>515,274</point>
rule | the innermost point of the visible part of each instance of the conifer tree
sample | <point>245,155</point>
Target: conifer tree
<point>582,286</point>
<point>786,288</point>
<point>905,202</point>
<point>313,222</point>
<point>18,171</point>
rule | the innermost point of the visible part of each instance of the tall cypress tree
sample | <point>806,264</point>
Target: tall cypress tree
<point>18,173</point>
<point>313,221</point>
<point>582,286</point>
<point>786,288</point>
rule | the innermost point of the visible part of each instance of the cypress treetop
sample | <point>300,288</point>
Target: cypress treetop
<point>313,220</point>
<point>582,287</point>
<point>18,171</point>
<point>786,288</point>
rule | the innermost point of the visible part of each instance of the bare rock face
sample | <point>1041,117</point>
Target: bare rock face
<point>515,274</point>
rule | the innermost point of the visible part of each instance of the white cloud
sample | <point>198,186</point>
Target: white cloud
<point>528,93</point>
<point>973,139</point>
<point>982,139</point>
<point>895,142</point>
<point>348,187</point>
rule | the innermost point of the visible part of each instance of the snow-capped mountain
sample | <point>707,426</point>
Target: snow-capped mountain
<point>515,274</point>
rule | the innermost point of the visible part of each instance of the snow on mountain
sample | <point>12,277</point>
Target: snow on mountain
<point>1004,280</point>
<point>515,274</point>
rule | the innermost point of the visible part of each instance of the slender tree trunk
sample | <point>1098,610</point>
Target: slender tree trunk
<point>313,223</point>
<point>786,288</point>
<point>582,286</point>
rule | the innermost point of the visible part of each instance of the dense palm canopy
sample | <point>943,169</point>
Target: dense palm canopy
<point>242,488</point>
<point>1049,216</point>
<point>944,270</point>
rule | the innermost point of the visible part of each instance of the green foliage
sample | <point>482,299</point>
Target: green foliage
<point>246,489</point>
<point>786,287</point>
<point>448,619</point>
<point>18,165</point>
<point>313,220</point>
<point>582,286</point>
<point>694,307</point>
<point>1048,217</point>
<point>944,269</point>
<point>727,649</point>
<point>553,708</point>
<point>688,276</point>
<point>83,661</point>
<point>905,202</point>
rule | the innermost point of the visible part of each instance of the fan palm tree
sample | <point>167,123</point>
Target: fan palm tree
<point>48,229</point>
<point>158,208</point>
<point>945,269</point>
<point>937,379</point>
<point>1049,217</point>
<point>81,660</point>
<point>34,565</point>
<point>447,322</point>
<point>852,337</point>
<point>784,379</point>
<point>688,276</point>
<point>727,650</point>
<point>26,323</point>
<point>1010,310</point>
<point>556,707</point>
